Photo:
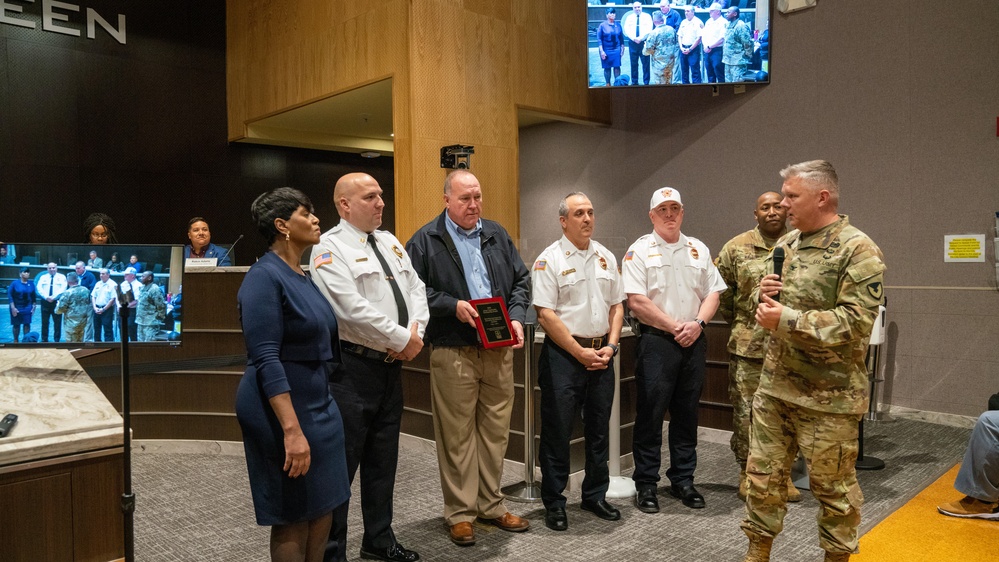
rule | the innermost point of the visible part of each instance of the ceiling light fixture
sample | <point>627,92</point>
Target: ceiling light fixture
<point>370,154</point>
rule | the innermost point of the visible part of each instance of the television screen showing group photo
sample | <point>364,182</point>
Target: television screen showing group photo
<point>86,295</point>
<point>677,43</point>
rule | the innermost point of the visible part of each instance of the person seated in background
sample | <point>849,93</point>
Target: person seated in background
<point>978,477</point>
<point>98,228</point>
<point>115,264</point>
<point>134,263</point>
<point>94,262</point>
<point>74,305</point>
<point>5,256</point>
<point>201,243</point>
<point>151,310</point>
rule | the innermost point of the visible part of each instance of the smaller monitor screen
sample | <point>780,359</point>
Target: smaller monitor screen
<point>677,43</point>
<point>83,295</point>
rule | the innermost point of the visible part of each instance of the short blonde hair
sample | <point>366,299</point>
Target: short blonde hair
<point>817,175</point>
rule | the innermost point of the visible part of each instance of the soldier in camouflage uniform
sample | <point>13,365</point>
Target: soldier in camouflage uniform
<point>664,50</point>
<point>737,50</point>
<point>151,309</point>
<point>741,263</point>
<point>74,305</point>
<point>814,387</point>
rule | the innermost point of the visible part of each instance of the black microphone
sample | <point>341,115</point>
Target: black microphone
<point>778,267</point>
<point>226,254</point>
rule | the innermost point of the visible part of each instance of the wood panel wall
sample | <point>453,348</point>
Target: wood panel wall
<point>460,71</point>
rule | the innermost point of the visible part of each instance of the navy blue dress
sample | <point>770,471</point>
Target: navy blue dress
<point>22,296</point>
<point>288,327</point>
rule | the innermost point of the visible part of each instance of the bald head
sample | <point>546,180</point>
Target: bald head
<point>358,199</point>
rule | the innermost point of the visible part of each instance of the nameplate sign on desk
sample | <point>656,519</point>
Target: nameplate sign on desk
<point>200,263</point>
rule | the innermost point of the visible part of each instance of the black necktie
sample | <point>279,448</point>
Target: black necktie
<point>400,302</point>
<point>51,283</point>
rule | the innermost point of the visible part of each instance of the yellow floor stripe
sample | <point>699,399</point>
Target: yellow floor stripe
<point>917,532</point>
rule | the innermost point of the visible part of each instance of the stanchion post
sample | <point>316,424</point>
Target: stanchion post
<point>528,490</point>
<point>619,486</point>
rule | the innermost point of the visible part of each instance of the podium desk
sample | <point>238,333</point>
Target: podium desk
<point>61,466</point>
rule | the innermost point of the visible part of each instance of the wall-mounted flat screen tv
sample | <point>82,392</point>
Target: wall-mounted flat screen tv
<point>73,295</point>
<point>677,43</point>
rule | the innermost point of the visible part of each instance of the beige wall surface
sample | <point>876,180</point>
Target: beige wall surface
<point>900,96</point>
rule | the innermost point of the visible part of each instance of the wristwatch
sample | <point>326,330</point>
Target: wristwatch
<point>701,323</point>
<point>615,347</point>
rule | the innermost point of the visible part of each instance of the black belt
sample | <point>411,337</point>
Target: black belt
<point>595,343</point>
<point>646,329</point>
<point>365,352</point>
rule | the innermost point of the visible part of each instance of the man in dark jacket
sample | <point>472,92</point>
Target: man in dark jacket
<point>462,257</point>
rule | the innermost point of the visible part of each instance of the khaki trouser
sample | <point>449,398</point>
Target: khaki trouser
<point>828,443</point>
<point>472,397</point>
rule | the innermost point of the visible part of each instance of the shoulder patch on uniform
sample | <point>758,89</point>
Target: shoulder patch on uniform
<point>540,265</point>
<point>322,259</point>
<point>866,269</point>
<point>629,256</point>
<point>876,289</point>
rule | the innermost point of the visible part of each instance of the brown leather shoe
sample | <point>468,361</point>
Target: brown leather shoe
<point>462,534</point>
<point>510,522</point>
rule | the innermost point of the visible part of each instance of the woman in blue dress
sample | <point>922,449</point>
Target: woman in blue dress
<point>610,42</point>
<point>21,295</point>
<point>292,431</point>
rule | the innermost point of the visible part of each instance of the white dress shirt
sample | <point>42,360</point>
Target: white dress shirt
<point>581,286</point>
<point>675,277</point>
<point>349,274</point>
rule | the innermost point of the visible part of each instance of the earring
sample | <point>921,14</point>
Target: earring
<point>287,236</point>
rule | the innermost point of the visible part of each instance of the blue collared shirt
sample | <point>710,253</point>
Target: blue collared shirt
<point>469,247</point>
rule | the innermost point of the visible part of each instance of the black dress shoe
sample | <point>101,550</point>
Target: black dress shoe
<point>647,501</point>
<point>394,553</point>
<point>601,509</point>
<point>555,519</point>
<point>688,495</point>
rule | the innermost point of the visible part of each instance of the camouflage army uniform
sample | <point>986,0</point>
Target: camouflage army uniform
<point>814,387</point>
<point>74,305</point>
<point>664,51</point>
<point>737,50</point>
<point>150,311</point>
<point>742,264</point>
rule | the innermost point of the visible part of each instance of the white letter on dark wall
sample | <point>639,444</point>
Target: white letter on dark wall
<point>4,18</point>
<point>49,16</point>
<point>94,17</point>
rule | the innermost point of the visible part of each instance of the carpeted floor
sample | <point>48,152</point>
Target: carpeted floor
<point>197,507</point>
<point>916,531</point>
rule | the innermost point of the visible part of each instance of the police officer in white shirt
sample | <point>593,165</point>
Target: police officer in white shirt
<point>103,298</point>
<point>381,309</point>
<point>49,286</point>
<point>673,290</point>
<point>578,295</point>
